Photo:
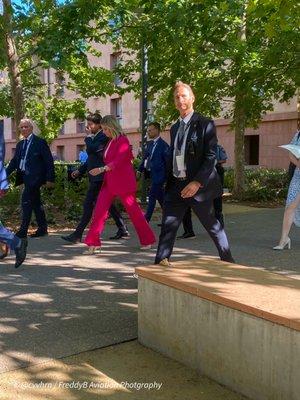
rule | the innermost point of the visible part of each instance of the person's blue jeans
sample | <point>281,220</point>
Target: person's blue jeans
<point>9,238</point>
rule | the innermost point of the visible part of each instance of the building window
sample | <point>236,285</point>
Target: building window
<point>80,126</point>
<point>115,59</point>
<point>252,149</point>
<point>60,83</point>
<point>60,152</point>
<point>62,130</point>
<point>116,109</point>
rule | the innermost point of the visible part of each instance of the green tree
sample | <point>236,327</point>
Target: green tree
<point>41,35</point>
<point>239,54</point>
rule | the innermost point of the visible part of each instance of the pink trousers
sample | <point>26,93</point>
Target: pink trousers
<point>104,201</point>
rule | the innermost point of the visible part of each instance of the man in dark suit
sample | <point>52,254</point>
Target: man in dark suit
<point>33,163</point>
<point>155,161</point>
<point>192,179</point>
<point>8,240</point>
<point>96,142</point>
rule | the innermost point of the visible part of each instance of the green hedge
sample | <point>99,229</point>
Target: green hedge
<point>64,201</point>
<point>262,184</point>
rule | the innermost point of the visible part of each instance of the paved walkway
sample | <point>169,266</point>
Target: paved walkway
<point>113,373</point>
<point>62,303</point>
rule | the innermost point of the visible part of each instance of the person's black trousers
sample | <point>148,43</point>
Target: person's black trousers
<point>88,207</point>
<point>31,201</point>
<point>173,213</point>
<point>187,222</point>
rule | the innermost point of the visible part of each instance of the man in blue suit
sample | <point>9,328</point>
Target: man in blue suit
<point>34,166</point>
<point>10,241</point>
<point>155,161</point>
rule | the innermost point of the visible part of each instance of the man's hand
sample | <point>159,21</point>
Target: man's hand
<point>2,192</point>
<point>191,189</point>
<point>96,171</point>
<point>49,184</point>
<point>75,174</point>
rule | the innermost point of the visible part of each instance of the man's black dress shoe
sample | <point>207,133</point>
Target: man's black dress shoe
<point>120,235</point>
<point>187,235</point>
<point>39,234</point>
<point>71,238</point>
<point>21,253</point>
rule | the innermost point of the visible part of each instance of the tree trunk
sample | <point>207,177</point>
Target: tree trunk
<point>13,63</point>
<point>240,120</point>
<point>239,147</point>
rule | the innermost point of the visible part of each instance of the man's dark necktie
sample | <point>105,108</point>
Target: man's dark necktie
<point>23,154</point>
<point>180,134</point>
<point>24,148</point>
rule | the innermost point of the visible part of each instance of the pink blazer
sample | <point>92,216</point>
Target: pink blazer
<point>118,156</point>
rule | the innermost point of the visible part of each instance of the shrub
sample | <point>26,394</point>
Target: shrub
<point>261,184</point>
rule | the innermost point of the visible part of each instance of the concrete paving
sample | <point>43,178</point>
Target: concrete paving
<point>123,372</point>
<point>62,303</point>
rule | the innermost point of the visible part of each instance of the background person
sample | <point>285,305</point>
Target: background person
<point>155,161</point>
<point>34,166</point>
<point>119,181</point>
<point>96,142</point>
<point>292,208</point>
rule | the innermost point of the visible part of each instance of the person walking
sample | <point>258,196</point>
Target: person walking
<point>34,166</point>
<point>119,181</point>
<point>95,142</point>
<point>155,161</point>
<point>292,208</point>
<point>192,179</point>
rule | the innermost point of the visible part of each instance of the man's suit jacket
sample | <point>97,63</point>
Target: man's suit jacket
<point>118,156</point>
<point>158,161</point>
<point>200,157</point>
<point>95,147</point>
<point>39,167</point>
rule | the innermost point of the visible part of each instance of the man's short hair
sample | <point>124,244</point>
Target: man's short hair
<point>179,84</point>
<point>155,124</point>
<point>95,118</point>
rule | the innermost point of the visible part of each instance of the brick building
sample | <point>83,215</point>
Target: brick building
<point>261,149</point>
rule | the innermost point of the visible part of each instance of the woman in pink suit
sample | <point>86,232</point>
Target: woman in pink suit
<point>119,180</point>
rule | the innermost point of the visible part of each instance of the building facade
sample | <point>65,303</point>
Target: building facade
<point>261,145</point>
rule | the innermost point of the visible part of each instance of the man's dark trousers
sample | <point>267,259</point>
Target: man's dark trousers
<point>174,209</point>
<point>31,201</point>
<point>156,192</point>
<point>88,207</point>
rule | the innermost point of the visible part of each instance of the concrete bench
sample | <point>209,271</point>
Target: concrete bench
<point>236,324</point>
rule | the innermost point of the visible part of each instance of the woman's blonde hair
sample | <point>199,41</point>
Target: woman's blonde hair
<point>112,124</point>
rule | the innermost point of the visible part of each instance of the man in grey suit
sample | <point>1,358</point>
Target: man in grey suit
<point>192,177</point>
